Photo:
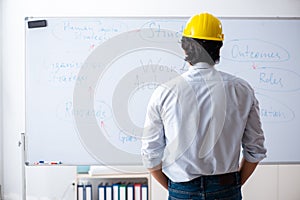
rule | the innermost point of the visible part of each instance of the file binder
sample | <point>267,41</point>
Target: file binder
<point>108,192</point>
<point>144,192</point>
<point>137,191</point>
<point>116,191</point>
<point>80,191</point>
<point>88,192</point>
<point>101,192</point>
<point>130,192</point>
<point>122,192</point>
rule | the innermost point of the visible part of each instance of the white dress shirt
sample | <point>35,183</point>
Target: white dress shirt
<point>197,123</point>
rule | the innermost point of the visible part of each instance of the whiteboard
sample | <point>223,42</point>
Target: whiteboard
<point>88,81</point>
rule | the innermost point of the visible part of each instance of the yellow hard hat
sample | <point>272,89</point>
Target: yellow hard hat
<point>204,26</point>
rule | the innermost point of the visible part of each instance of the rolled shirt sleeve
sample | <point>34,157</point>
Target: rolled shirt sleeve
<point>253,138</point>
<point>153,139</point>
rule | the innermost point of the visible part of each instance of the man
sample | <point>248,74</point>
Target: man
<point>196,124</point>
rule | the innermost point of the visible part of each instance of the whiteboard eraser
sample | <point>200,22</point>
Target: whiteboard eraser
<point>37,24</point>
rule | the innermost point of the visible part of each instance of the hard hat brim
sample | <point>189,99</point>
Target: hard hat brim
<point>205,38</point>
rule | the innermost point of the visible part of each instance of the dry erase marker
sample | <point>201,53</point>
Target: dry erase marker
<point>39,162</point>
<point>42,162</point>
<point>55,163</point>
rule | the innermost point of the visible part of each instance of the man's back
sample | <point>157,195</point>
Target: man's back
<point>205,117</point>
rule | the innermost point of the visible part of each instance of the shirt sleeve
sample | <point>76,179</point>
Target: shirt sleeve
<point>253,138</point>
<point>153,140</point>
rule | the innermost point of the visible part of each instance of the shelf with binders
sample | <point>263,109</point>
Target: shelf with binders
<point>119,186</point>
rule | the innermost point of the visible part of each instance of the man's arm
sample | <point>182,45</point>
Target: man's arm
<point>246,170</point>
<point>157,173</point>
<point>252,142</point>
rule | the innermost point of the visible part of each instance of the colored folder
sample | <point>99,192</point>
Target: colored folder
<point>88,192</point>
<point>116,191</point>
<point>122,192</point>
<point>137,191</point>
<point>108,192</point>
<point>101,192</point>
<point>130,192</point>
<point>144,192</point>
<point>80,192</point>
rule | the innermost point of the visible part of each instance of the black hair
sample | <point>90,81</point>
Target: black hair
<point>199,50</point>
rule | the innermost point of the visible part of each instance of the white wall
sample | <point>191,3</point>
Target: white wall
<point>266,180</point>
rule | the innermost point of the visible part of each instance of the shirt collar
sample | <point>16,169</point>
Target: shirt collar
<point>201,65</point>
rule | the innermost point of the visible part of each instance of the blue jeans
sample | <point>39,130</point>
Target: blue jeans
<point>214,187</point>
